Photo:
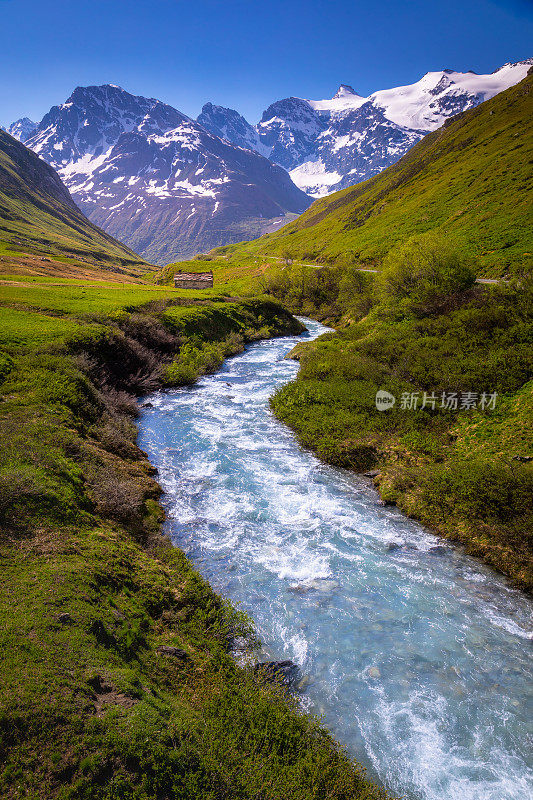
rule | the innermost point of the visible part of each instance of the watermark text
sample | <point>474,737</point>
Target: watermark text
<point>450,401</point>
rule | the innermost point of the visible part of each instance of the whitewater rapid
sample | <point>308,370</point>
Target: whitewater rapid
<point>417,656</point>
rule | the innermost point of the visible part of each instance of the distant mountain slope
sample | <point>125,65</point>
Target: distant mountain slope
<point>471,179</point>
<point>156,179</point>
<point>42,230</point>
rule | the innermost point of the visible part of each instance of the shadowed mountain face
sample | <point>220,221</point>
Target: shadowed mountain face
<point>290,128</point>
<point>40,221</point>
<point>156,179</point>
<point>230,125</point>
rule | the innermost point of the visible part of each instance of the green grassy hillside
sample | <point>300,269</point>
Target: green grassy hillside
<point>42,231</point>
<point>472,179</point>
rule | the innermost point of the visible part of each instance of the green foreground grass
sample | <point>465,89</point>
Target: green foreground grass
<point>91,706</point>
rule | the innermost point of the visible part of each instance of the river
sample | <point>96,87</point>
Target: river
<point>417,656</point>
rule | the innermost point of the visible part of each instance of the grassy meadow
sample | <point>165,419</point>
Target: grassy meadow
<point>117,676</point>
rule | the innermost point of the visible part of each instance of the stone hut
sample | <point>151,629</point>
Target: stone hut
<point>193,280</point>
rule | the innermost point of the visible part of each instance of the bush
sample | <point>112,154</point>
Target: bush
<point>481,490</point>
<point>423,273</point>
<point>117,497</point>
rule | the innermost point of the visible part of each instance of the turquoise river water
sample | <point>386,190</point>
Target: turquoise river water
<point>417,656</point>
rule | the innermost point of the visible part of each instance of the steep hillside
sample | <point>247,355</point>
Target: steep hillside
<point>42,231</point>
<point>156,179</point>
<point>471,179</point>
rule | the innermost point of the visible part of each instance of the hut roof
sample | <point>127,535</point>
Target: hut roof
<point>193,276</point>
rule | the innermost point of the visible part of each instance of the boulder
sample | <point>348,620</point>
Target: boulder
<point>173,652</point>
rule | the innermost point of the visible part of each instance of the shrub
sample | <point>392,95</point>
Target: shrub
<point>423,273</point>
<point>117,497</point>
<point>481,490</point>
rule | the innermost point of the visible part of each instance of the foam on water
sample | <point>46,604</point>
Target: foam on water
<point>417,656</point>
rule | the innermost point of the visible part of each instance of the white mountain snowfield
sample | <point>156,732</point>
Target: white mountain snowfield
<point>414,106</point>
<point>170,186</point>
<point>416,110</point>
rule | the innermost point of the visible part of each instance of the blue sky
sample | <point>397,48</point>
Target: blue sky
<point>245,54</point>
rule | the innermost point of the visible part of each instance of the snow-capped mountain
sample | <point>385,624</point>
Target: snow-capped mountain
<point>22,129</point>
<point>427,104</point>
<point>289,129</point>
<point>365,135</point>
<point>230,125</point>
<point>155,179</point>
<point>169,186</point>
<point>358,143</point>
<point>329,144</point>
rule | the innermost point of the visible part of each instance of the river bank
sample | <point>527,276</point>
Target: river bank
<point>416,655</point>
<point>453,447</point>
<point>115,651</point>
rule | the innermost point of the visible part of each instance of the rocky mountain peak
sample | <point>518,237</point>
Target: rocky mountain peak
<point>230,125</point>
<point>344,90</point>
<point>22,129</point>
<point>166,185</point>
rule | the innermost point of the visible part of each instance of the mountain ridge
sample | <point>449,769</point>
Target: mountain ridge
<point>327,145</point>
<point>471,179</point>
<point>151,176</point>
<point>170,186</point>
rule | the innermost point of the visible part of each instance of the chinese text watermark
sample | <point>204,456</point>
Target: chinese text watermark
<point>450,401</point>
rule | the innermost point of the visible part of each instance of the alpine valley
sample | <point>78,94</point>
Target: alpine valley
<point>170,187</point>
<point>157,180</point>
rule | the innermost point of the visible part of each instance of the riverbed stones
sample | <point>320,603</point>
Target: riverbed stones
<point>303,683</point>
<point>438,550</point>
<point>316,585</point>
